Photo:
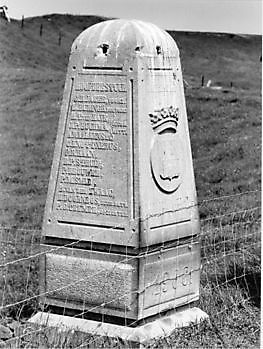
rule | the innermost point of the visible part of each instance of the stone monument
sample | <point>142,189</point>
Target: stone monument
<point>121,220</point>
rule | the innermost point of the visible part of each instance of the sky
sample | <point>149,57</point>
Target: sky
<point>232,16</point>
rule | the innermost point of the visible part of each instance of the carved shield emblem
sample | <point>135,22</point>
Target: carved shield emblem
<point>166,153</point>
<point>165,161</point>
<point>169,163</point>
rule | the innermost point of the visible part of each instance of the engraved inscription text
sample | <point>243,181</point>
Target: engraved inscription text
<point>92,176</point>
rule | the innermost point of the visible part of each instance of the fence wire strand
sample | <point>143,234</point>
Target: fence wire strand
<point>230,269</point>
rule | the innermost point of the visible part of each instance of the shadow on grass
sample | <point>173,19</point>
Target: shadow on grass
<point>249,282</point>
<point>246,278</point>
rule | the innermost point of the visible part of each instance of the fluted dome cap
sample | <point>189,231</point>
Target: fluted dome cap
<point>119,37</point>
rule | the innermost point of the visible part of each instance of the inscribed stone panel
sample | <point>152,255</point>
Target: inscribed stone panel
<point>92,177</point>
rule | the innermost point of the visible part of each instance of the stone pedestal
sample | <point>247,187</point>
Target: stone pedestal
<point>143,334</point>
<point>121,221</point>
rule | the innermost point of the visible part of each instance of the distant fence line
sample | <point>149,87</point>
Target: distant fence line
<point>126,259</point>
<point>41,30</point>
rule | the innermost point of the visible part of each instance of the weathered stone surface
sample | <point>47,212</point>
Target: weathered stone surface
<point>123,149</point>
<point>122,191</point>
<point>168,279</point>
<point>90,280</point>
<point>158,328</point>
<point>171,279</point>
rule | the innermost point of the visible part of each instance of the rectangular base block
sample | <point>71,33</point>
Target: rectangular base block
<point>126,286</point>
<point>155,329</point>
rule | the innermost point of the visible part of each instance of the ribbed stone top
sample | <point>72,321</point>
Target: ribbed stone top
<point>125,38</point>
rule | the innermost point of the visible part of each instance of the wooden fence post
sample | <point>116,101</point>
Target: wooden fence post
<point>203,80</point>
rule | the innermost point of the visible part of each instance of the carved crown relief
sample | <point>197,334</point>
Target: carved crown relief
<point>166,151</point>
<point>165,118</point>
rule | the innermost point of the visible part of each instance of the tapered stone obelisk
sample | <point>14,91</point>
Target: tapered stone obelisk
<point>122,198</point>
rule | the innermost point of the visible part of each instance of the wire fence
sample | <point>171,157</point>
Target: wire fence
<point>229,285</point>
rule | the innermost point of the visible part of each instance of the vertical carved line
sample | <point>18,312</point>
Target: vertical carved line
<point>63,139</point>
<point>131,98</point>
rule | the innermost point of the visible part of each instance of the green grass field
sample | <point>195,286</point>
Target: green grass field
<point>225,131</point>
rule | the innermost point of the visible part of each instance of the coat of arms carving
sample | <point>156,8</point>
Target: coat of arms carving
<point>166,151</point>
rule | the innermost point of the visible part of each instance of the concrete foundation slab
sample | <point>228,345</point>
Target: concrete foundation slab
<point>157,328</point>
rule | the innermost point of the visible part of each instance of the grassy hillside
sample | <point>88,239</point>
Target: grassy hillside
<point>225,131</point>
